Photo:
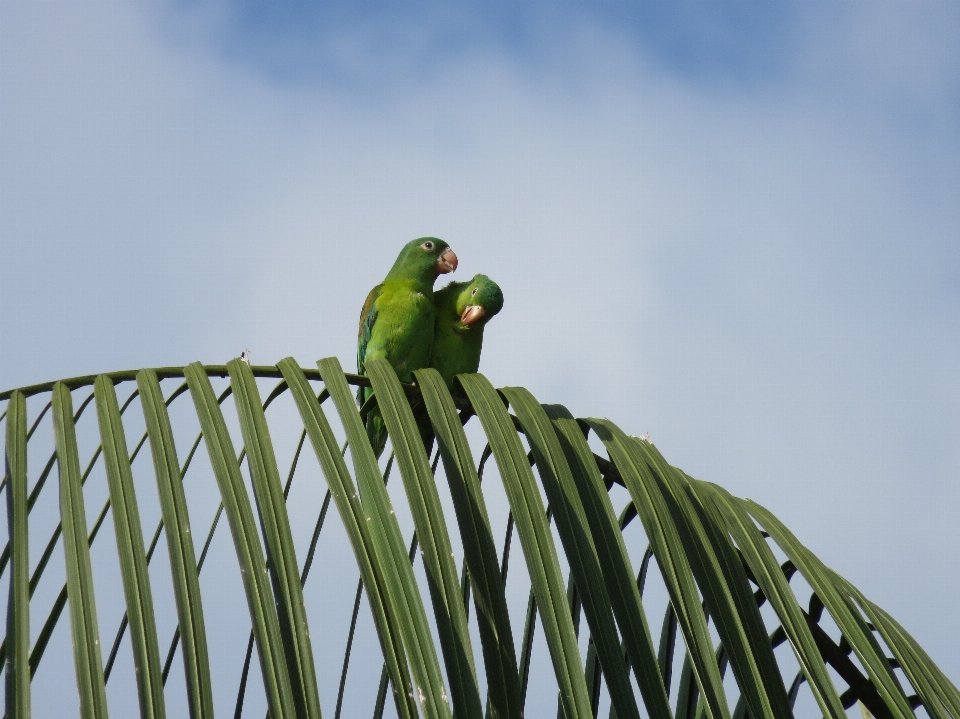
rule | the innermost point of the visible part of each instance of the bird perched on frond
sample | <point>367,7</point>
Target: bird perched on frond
<point>463,310</point>
<point>397,319</point>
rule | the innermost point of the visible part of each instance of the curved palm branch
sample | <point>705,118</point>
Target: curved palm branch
<point>743,595</point>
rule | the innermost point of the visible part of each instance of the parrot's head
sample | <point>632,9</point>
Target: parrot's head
<point>478,301</point>
<point>424,259</point>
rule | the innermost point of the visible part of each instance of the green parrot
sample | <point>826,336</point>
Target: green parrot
<point>463,310</point>
<point>397,319</point>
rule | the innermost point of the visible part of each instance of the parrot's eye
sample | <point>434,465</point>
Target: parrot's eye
<point>427,245</point>
<point>474,293</point>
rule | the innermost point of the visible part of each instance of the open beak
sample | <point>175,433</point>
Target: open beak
<point>447,262</point>
<point>471,313</point>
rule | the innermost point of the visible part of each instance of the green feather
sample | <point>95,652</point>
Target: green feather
<point>397,320</point>
<point>457,346</point>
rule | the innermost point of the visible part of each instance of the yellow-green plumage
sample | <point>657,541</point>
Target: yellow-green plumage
<point>397,319</point>
<point>463,310</point>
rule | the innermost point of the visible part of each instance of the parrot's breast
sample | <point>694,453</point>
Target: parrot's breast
<point>403,333</point>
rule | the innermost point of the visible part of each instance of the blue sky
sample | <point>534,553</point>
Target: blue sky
<point>743,44</point>
<point>733,225</point>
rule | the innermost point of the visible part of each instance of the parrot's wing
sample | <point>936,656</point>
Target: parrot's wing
<point>368,316</point>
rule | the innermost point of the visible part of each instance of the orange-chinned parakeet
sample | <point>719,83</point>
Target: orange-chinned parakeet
<point>463,310</point>
<point>397,319</point>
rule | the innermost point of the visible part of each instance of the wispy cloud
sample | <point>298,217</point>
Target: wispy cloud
<point>386,44</point>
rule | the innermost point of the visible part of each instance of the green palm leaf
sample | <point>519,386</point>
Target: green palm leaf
<point>668,547</point>
<point>764,566</point>
<point>714,554</point>
<point>133,560</point>
<point>18,612</point>
<point>841,608</point>
<point>537,542</point>
<point>408,605</point>
<point>236,505</point>
<point>372,569</point>
<point>282,561</point>
<point>183,563</point>
<point>445,590</point>
<point>83,612</point>
<point>575,535</point>
<point>480,553</point>
<point>618,575</point>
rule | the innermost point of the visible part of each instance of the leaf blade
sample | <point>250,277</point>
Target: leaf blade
<point>850,623</point>
<point>436,550</point>
<point>938,694</point>
<point>776,589</point>
<point>617,571</point>
<point>133,560</point>
<point>479,548</point>
<point>83,611</point>
<point>727,593</point>
<point>236,504</point>
<point>570,517</point>
<point>372,570</point>
<point>537,543</point>
<point>283,565</point>
<point>180,548</point>
<point>401,582</point>
<point>17,697</point>
<point>664,538</point>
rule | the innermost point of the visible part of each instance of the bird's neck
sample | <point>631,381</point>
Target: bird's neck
<point>416,284</point>
<point>468,334</point>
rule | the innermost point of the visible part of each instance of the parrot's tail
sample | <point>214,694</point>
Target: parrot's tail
<point>426,429</point>
<point>376,431</point>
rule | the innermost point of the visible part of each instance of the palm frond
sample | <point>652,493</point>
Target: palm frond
<point>716,560</point>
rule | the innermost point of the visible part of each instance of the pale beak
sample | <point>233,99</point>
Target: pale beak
<point>471,313</point>
<point>447,262</point>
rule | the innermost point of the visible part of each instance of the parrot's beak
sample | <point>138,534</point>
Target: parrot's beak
<point>471,313</point>
<point>447,262</point>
